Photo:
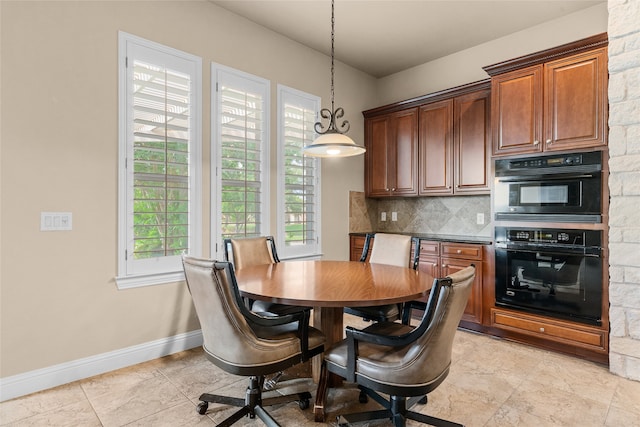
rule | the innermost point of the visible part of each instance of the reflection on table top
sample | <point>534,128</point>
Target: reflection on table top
<point>332,283</point>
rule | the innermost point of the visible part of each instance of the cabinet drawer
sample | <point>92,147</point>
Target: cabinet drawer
<point>462,250</point>
<point>558,331</point>
<point>429,248</point>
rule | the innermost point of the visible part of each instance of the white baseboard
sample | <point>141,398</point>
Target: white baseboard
<point>53,376</point>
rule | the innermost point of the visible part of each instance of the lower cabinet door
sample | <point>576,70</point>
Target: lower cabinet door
<point>473,311</point>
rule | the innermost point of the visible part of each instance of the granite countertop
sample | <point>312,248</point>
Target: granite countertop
<point>482,240</point>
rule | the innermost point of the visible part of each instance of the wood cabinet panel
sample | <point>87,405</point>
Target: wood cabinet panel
<point>516,112</point>
<point>391,159</point>
<point>436,148</point>
<point>440,259</point>
<point>554,330</point>
<point>473,310</point>
<point>377,182</point>
<point>434,145</point>
<point>576,101</point>
<point>462,250</point>
<point>552,106</point>
<point>472,143</point>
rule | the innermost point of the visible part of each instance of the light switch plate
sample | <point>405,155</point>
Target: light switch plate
<point>383,216</point>
<point>394,216</point>
<point>55,221</point>
<point>479,218</point>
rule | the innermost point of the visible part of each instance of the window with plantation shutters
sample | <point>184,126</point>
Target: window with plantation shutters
<point>241,154</point>
<point>298,175</point>
<point>159,161</point>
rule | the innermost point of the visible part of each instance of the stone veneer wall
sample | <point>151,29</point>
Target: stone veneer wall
<point>624,185</point>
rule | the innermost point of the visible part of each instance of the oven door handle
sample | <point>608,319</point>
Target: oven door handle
<point>546,178</point>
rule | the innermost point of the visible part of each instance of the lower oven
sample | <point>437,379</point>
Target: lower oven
<point>553,272</point>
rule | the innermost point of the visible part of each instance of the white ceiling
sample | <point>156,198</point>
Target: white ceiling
<point>381,37</point>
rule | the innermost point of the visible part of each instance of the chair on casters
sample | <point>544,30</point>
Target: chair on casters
<point>401,361</point>
<point>390,249</point>
<point>245,343</point>
<point>247,252</point>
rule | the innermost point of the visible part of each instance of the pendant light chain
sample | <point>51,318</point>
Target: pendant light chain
<point>332,141</point>
<point>333,24</point>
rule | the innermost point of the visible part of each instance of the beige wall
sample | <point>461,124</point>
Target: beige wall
<point>466,66</point>
<point>59,136</point>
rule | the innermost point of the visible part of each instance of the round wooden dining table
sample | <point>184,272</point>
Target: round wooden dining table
<point>328,287</point>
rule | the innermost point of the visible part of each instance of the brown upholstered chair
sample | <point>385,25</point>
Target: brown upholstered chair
<point>390,249</point>
<point>250,251</point>
<point>247,252</point>
<point>244,343</point>
<point>401,361</point>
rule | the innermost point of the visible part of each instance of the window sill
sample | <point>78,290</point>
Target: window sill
<point>138,281</point>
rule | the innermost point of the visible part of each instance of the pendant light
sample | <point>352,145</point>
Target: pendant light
<point>332,141</point>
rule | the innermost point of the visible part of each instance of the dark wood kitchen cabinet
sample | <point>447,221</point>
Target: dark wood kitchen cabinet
<point>437,144</point>
<point>440,259</point>
<point>391,159</point>
<point>553,100</point>
<point>454,141</point>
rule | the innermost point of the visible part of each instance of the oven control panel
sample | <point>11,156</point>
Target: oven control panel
<point>542,236</point>
<point>546,236</point>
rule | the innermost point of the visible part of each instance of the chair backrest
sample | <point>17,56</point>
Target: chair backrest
<point>229,340</point>
<point>392,249</point>
<point>430,355</point>
<point>250,251</point>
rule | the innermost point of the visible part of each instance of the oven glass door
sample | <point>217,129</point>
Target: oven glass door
<point>557,284</point>
<point>540,195</point>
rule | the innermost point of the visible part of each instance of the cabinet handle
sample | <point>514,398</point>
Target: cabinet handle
<point>541,329</point>
<point>444,265</point>
<point>393,189</point>
<point>549,141</point>
<point>386,189</point>
<point>435,264</point>
<point>459,251</point>
<point>536,142</point>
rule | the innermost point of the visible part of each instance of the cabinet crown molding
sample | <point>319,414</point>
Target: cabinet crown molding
<point>578,46</point>
<point>429,98</point>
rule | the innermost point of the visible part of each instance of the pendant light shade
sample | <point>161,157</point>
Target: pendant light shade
<point>333,144</point>
<point>332,141</point>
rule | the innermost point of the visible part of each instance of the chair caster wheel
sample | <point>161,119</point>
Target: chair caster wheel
<point>303,404</point>
<point>423,401</point>
<point>362,397</point>
<point>202,408</point>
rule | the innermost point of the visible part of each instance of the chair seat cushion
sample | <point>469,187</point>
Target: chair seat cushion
<point>275,308</point>
<point>382,364</point>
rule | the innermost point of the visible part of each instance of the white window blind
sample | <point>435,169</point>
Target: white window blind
<point>160,156</point>
<point>241,141</point>
<point>299,175</point>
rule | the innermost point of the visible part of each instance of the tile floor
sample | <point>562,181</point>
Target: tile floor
<point>492,383</point>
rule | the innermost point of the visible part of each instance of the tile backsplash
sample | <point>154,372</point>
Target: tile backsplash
<point>456,215</point>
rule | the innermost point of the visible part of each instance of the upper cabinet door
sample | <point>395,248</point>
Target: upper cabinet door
<point>576,101</point>
<point>404,147</point>
<point>392,152</point>
<point>376,157</point>
<point>516,117</point>
<point>472,141</point>
<point>436,148</point>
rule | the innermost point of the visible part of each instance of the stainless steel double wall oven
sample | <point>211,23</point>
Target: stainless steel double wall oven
<point>550,271</point>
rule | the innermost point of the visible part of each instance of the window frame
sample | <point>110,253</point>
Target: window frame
<point>309,250</point>
<point>242,78</point>
<point>168,269</point>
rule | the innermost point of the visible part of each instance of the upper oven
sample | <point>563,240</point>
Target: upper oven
<point>558,188</point>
